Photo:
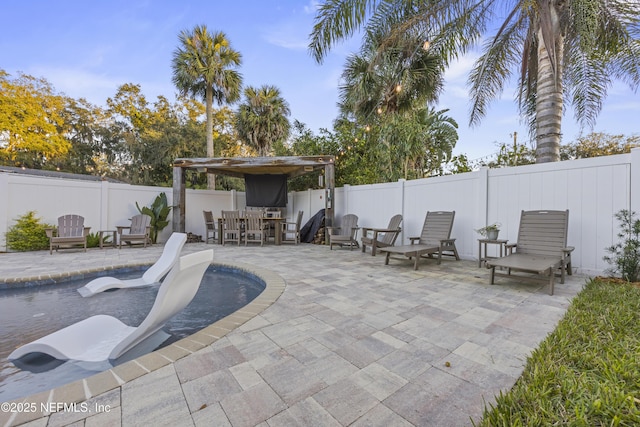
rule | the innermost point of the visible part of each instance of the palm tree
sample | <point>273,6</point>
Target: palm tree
<point>205,66</point>
<point>392,81</point>
<point>566,50</point>
<point>262,119</point>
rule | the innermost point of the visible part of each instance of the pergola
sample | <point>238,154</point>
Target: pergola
<point>241,166</point>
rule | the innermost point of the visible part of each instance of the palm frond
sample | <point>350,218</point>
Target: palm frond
<point>337,20</point>
<point>500,55</point>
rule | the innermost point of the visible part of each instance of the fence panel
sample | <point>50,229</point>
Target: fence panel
<point>592,189</point>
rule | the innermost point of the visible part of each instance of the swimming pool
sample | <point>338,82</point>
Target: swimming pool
<point>28,313</point>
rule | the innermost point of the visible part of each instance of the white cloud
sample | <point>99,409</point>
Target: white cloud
<point>78,83</point>
<point>459,69</point>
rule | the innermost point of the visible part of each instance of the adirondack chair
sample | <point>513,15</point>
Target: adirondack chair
<point>101,337</point>
<point>70,232</point>
<point>381,237</point>
<point>434,239</point>
<point>541,248</point>
<point>138,231</point>
<point>254,227</point>
<point>291,230</point>
<point>231,227</point>
<point>346,234</point>
<point>210,225</point>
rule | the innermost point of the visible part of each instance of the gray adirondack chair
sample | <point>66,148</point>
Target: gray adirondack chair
<point>138,231</point>
<point>541,248</point>
<point>434,239</point>
<point>346,234</point>
<point>381,237</point>
<point>70,232</point>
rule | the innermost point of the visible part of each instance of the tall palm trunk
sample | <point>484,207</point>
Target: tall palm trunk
<point>211,179</point>
<point>549,102</point>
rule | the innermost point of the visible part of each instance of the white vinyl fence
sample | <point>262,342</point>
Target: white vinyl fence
<point>592,189</point>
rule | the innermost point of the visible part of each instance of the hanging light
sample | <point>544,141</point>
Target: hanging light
<point>398,87</point>
<point>426,45</point>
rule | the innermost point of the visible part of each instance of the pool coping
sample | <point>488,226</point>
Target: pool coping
<point>90,387</point>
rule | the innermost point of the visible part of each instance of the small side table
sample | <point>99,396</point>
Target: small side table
<point>484,242</point>
<point>113,238</point>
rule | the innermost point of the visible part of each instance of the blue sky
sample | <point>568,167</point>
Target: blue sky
<point>89,48</point>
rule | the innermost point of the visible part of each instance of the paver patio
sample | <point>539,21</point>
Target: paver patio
<point>349,342</point>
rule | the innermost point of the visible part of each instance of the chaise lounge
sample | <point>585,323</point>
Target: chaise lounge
<point>434,239</point>
<point>153,275</point>
<point>541,248</point>
<point>104,338</point>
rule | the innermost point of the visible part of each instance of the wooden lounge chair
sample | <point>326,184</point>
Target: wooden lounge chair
<point>70,232</point>
<point>434,239</point>
<point>138,231</point>
<point>101,337</point>
<point>231,227</point>
<point>346,234</point>
<point>291,230</point>
<point>381,237</point>
<point>254,227</point>
<point>541,248</point>
<point>210,225</point>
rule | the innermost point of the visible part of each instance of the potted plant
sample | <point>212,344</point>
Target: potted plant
<point>490,231</point>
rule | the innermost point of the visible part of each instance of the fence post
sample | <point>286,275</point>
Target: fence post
<point>104,205</point>
<point>482,213</point>
<point>634,196</point>
<point>4,197</point>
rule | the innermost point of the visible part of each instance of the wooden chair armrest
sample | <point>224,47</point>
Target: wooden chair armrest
<point>121,228</point>
<point>50,232</point>
<point>86,231</point>
<point>386,230</point>
<point>568,249</point>
<point>414,239</point>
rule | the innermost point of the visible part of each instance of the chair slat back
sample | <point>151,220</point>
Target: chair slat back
<point>437,226</point>
<point>543,232</point>
<point>254,220</point>
<point>394,224</point>
<point>70,226</point>
<point>139,224</point>
<point>231,221</point>
<point>348,225</point>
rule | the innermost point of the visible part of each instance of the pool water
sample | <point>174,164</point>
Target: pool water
<point>29,313</point>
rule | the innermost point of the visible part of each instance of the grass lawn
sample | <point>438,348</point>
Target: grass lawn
<point>586,372</point>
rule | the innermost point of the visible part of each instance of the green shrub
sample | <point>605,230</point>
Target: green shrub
<point>625,255</point>
<point>93,240</point>
<point>27,234</point>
